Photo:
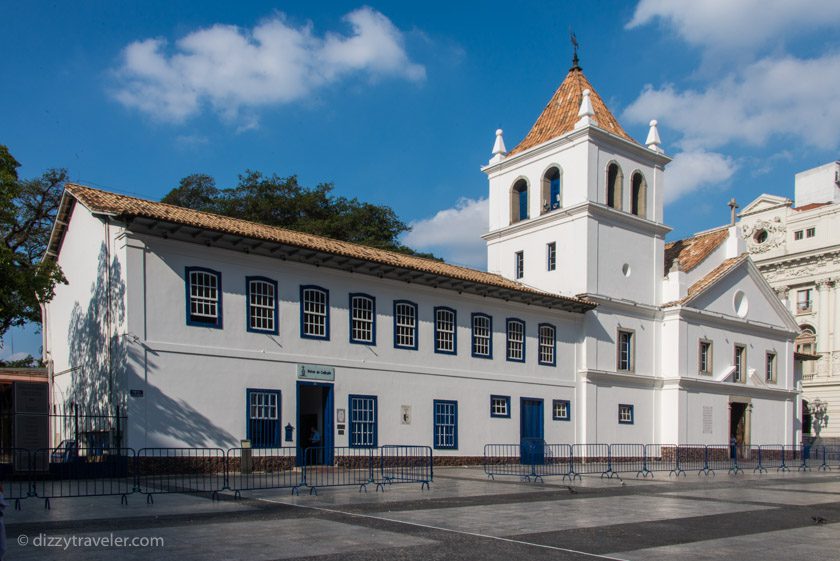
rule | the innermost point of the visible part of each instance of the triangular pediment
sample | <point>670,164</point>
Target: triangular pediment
<point>738,289</point>
<point>765,202</point>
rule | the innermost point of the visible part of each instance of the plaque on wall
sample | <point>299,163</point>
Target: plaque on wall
<point>316,372</point>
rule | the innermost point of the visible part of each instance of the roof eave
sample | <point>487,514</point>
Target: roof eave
<point>348,263</point>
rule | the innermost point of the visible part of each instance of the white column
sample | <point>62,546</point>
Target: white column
<point>823,366</point>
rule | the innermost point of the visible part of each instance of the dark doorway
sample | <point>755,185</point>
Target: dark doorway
<point>531,443</point>
<point>738,424</point>
<point>315,423</point>
<point>806,420</point>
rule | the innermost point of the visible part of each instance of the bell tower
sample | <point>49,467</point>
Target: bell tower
<point>576,206</point>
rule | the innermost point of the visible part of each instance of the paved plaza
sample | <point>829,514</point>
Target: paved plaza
<point>464,515</point>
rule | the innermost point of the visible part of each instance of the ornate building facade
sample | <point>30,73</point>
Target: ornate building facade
<point>796,245</point>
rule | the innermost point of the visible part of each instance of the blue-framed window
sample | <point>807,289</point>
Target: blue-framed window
<point>446,425</point>
<point>519,264</point>
<point>263,418</point>
<point>363,421</point>
<point>405,325</point>
<point>482,336</point>
<point>362,319</point>
<point>515,335</point>
<point>551,256</point>
<point>314,312</point>
<point>625,414</point>
<point>547,345</point>
<point>446,336</point>
<point>204,297</point>
<point>500,406</point>
<point>561,410</point>
<point>261,298</point>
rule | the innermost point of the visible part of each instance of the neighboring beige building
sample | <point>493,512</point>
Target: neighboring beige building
<point>796,245</point>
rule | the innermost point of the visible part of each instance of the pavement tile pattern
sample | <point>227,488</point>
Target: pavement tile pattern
<point>463,516</point>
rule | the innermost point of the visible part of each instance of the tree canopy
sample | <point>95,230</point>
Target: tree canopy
<point>27,212</point>
<point>282,201</point>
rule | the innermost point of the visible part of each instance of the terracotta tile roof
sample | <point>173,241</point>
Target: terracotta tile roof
<point>692,251</point>
<point>714,275</point>
<point>810,206</point>
<point>561,113</point>
<point>130,207</point>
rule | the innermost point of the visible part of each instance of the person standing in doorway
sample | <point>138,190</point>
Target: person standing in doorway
<point>315,442</point>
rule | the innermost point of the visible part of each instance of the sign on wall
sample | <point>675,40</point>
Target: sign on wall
<point>708,419</point>
<point>316,372</point>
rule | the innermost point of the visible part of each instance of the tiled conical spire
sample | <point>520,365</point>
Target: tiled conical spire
<point>561,113</point>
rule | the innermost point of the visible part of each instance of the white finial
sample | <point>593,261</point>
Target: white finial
<point>653,142</point>
<point>586,112</point>
<point>499,149</point>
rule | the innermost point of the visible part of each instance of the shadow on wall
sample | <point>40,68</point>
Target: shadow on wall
<point>100,356</point>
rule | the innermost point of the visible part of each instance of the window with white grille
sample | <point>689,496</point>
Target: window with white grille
<point>625,414</point>
<point>205,297</point>
<point>363,421</point>
<point>314,313</point>
<point>262,305</point>
<point>516,340</point>
<point>500,406</point>
<point>551,256</point>
<point>561,410</point>
<point>362,319</point>
<point>264,418</point>
<point>625,351</point>
<point>405,325</point>
<point>548,344</point>
<point>446,424</point>
<point>445,330</point>
<point>482,342</point>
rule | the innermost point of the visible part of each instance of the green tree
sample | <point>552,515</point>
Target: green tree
<point>282,201</point>
<point>27,212</point>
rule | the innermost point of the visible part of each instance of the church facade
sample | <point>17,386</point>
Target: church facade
<point>587,328</point>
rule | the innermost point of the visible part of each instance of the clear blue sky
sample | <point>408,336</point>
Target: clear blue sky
<point>397,103</point>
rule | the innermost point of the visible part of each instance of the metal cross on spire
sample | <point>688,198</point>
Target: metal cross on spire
<point>575,45</point>
<point>733,205</point>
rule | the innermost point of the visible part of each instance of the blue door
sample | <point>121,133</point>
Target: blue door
<point>531,443</point>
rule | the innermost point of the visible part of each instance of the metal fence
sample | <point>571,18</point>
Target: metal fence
<point>180,470</point>
<point>250,469</point>
<point>404,464</point>
<point>83,472</point>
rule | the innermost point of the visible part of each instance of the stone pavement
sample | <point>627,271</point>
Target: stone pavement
<point>785,516</point>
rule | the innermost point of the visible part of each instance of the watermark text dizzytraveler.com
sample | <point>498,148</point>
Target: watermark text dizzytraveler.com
<point>73,541</point>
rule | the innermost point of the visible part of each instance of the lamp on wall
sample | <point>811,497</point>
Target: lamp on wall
<point>819,413</point>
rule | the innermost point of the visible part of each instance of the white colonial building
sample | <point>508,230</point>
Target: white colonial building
<point>587,328</point>
<point>796,245</point>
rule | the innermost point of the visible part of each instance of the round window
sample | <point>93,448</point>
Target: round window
<point>741,304</point>
<point>760,236</point>
<point>625,270</point>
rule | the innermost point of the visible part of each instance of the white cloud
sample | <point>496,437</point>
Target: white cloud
<point>454,233</point>
<point>727,25</point>
<point>690,171</point>
<point>771,99</point>
<point>233,69</point>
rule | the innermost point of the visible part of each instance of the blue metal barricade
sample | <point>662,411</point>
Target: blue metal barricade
<point>831,456</point>
<point>180,470</point>
<point>404,464</point>
<point>660,458</point>
<point>16,471</point>
<point>749,458</point>
<point>506,460</point>
<point>591,459</point>
<point>250,469</point>
<point>773,457</point>
<point>347,466</point>
<point>628,458</point>
<point>83,472</point>
<point>692,457</point>
<point>722,457</point>
<point>557,461</point>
